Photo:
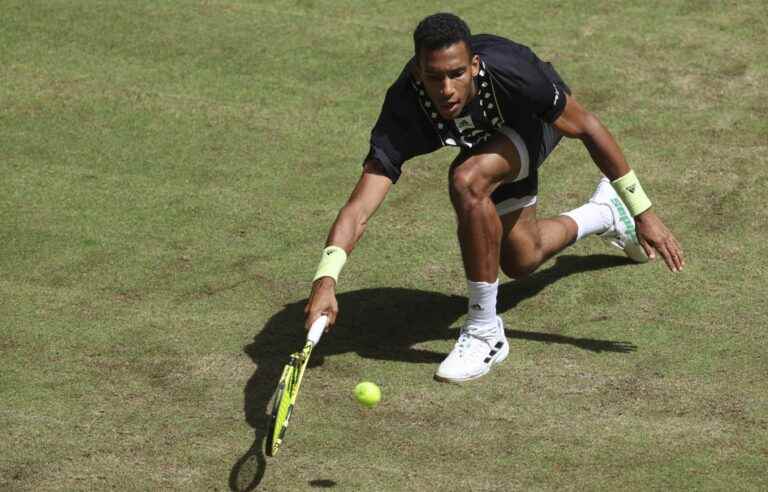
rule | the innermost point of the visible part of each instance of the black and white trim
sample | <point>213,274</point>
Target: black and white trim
<point>493,352</point>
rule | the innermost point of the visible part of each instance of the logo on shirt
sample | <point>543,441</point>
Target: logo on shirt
<point>557,95</point>
<point>464,123</point>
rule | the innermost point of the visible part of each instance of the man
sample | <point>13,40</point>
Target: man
<point>506,110</point>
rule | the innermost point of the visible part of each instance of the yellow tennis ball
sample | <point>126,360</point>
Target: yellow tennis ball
<point>368,394</point>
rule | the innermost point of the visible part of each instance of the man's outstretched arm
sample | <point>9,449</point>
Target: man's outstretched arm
<point>346,231</point>
<point>654,236</point>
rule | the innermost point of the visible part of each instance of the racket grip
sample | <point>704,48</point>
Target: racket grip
<point>317,329</point>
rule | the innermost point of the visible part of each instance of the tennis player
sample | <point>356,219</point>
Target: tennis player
<point>505,110</point>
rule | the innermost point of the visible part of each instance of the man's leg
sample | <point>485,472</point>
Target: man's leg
<point>473,178</point>
<point>527,242</point>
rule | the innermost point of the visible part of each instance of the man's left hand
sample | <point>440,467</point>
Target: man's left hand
<point>655,237</point>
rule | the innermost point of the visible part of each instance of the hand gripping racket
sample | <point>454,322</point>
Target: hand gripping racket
<point>288,388</point>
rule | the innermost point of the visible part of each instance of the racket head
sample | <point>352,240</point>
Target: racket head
<point>282,407</point>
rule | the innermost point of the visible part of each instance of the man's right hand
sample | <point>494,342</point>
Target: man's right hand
<point>322,300</point>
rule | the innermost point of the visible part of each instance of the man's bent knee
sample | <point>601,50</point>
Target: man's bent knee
<point>468,185</point>
<point>519,268</point>
<point>521,253</point>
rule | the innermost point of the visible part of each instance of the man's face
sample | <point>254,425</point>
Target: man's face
<point>447,75</point>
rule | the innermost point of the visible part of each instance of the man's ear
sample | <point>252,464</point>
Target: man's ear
<point>475,65</point>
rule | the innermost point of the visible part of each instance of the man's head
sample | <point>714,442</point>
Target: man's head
<point>445,63</point>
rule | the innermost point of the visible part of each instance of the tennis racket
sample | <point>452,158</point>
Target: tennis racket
<point>288,388</point>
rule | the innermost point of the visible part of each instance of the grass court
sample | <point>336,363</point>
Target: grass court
<point>170,170</point>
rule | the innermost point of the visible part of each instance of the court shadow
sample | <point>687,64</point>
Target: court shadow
<point>387,324</point>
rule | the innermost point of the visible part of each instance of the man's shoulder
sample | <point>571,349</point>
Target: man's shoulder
<point>520,78</point>
<point>487,42</point>
<point>500,52</point>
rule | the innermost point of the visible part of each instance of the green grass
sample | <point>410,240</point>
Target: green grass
<point>170,171</point>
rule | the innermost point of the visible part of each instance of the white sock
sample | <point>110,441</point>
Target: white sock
<point>591,218</point>
<point>482,303</point>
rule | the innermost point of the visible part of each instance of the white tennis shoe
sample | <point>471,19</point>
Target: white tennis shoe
<point>622,234</point>
<point>476,350</point>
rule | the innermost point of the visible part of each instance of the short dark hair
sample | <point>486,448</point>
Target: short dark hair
<point>439,31</point>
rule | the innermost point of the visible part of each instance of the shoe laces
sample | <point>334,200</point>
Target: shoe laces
<point>465,338</point>
<point>468,338</point>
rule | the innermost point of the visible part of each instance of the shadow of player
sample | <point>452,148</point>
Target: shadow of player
<point>387,324</point>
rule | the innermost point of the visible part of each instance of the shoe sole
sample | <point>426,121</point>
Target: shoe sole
<point>636,253</point>
<point>497,359</point>
<point>633,250</point>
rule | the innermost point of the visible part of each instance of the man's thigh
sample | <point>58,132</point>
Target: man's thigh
<point>522,191</point>
<point>493,162</point>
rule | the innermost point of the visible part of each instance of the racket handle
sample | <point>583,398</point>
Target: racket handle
<point>317,329</point>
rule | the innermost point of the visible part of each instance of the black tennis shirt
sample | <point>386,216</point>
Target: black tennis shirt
<point>514,88</point>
